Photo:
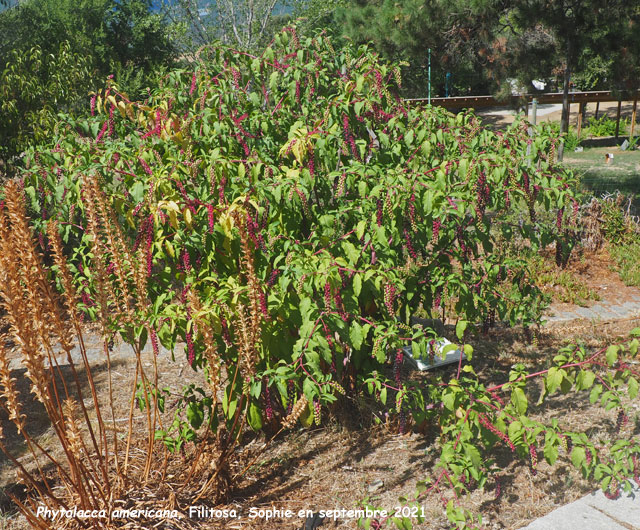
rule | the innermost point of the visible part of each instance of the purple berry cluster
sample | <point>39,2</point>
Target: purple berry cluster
<point>397,366</point>
<point>484,421</point>
<point>482,195</point>
<point>389,297</point>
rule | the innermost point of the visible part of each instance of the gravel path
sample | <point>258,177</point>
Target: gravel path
<point>604,310</point>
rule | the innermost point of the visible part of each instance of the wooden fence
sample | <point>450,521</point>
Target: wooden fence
<point>582,98</point>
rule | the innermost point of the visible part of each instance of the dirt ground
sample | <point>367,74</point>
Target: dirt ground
<point>341,465</point>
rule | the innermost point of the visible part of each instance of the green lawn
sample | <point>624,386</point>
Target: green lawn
<point>622,173</point>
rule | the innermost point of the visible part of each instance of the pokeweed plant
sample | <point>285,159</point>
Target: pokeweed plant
<point>474,419</point>
<point>290,214</point>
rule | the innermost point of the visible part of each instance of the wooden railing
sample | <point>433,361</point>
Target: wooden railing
<point>476,102</point>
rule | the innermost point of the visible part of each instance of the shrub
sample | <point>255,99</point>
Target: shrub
<point>293,203</point>
<point>605,126</point>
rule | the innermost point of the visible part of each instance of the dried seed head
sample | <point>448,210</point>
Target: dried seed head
<point>71,426</point>
<point>296,412</point>
<point>9,391</point>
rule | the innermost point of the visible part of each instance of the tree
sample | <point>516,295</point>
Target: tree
<point>54,52</point>
<point>107,31</point>
<point>456,31</point>
<point>242,24</point>
<point>312,16</point>
<point>34,87</point>
<point>574,25</point>
<point>137,36</point>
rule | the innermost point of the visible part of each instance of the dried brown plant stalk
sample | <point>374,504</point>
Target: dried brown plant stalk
<point>43,304</point>
<point>108,238</point>
<point>248,320</point>
<point>70,299</point>
<point>12,405</point>
<point>18,292</point>
<point>9,392</point>
<point>46,325</point>
<point>210,346</point>
<point>103,295</point>
<point>127,290</point>
<point>37,322</point>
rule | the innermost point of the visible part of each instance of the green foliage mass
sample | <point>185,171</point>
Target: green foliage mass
<point>359,209</point>
<point>34,87</point>
<point>106,31</point>
<point>53,53</point>
<point>459,34</point>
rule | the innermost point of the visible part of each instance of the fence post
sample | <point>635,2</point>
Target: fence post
<point>618,118</point>
<point>534,110</point>
<point>580,113</point>
<point>633,117</point>
<point>429,78</point>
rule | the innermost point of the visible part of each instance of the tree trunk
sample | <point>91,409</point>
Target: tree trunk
<point>564,120</point>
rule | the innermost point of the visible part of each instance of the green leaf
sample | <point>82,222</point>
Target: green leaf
<point>519,400</point>
<point>305,307</point>
<point>578,457</point>
<point>306,418</point>
<point>195,414</point>
<point>612,354</point>
<point>585,380</point>
<point>357,284</point>
<point>461,326</point>
<point>408,138</point>
<point>360,229</point>
<point>473,454</point>
<point>254,416</point>
<point>632,387</point>
<point>515,431</point>
<point>448,348</point>
<point>137,191</point>
<point>553,379</point>
<point>468,351</point>
<point>256,389</point>
<point>309,389</point>
<point>229,405</point>
<point>449,400</point>
<point>356,335</point>
<point>273,81</point>
<point>426,148</point>
<point>550,453</point>
<point>350,250</point>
